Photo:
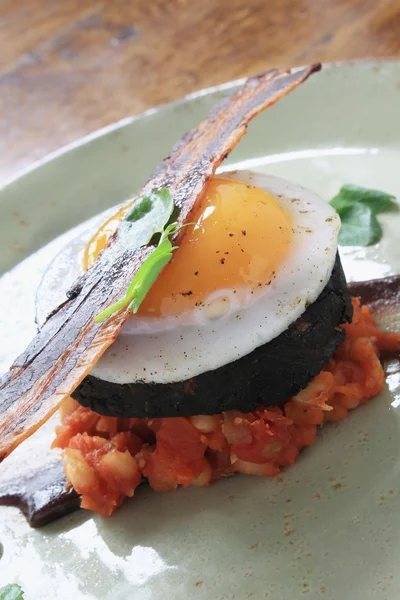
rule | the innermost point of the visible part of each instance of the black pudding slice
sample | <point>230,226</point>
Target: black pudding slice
<point>268,375</point>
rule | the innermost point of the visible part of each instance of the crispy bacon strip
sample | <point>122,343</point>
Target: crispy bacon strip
<point>381,295</point>
<point>70,342</point>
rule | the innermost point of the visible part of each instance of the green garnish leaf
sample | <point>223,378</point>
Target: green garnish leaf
<point>357,207</point>
<point>140,209</point>
<point>146,275</point>
<point>11,592</point>
<point>360,226</point>
<point>376,200</point>
<point>148,216</point>
<point>149,272</point>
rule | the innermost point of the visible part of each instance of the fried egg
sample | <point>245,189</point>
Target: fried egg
<point>259,251</point>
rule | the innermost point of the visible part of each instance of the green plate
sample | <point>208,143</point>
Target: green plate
<point>329,527</point>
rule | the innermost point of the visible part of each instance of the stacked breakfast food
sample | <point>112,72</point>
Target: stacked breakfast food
<point>210,330</point>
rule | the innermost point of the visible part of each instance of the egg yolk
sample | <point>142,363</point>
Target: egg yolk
<point>101,237</point>
<point>240,238</point>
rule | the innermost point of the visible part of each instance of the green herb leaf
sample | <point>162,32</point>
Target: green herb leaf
<point>360,226</point>
<point>149,272</point>
<point>148,216</point>
<point>358,207</point>
<point>11,592</point>
<point>141,208</point>
<point>376,200</point>
<point>146,275</point>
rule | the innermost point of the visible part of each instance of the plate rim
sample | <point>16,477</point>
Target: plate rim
<point>126,121</point>
<point>368,69</point>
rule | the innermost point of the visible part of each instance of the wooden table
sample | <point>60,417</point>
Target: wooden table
<point>68,67</point>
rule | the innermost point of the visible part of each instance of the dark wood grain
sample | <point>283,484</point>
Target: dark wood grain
<point>68,67</point>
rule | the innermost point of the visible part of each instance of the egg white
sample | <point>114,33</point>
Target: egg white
<point>229,326</point>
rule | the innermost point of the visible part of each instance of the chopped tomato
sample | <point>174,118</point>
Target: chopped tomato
<point>105,458</point>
